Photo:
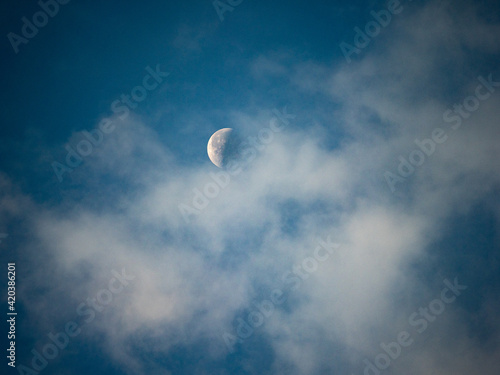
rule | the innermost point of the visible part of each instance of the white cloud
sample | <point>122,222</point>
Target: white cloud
<point>194,279</point>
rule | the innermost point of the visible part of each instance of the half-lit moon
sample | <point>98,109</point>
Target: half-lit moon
<point>222,147</point>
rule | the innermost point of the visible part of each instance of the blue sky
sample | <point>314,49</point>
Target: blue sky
<point>358,235</point>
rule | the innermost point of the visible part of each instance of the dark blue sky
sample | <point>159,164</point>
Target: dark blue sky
<point>120,225</point>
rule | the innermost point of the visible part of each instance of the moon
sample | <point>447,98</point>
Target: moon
<point>222,147</point>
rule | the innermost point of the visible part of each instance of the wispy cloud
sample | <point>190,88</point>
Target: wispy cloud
<point>193,279</point>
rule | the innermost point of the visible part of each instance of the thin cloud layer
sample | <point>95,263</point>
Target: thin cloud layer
<point>195,280</point>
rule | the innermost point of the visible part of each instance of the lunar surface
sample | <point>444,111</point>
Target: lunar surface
<point>222,147</point>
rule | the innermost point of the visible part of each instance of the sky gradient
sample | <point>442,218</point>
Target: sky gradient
<point>358,234</point>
